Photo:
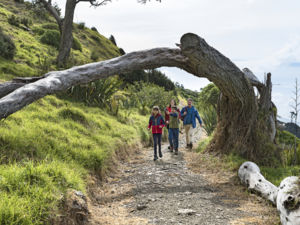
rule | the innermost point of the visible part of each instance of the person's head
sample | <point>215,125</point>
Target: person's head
<point>190,102</point>
<point>172,103</point>
<point>155,110</point>
<point>174,109</point>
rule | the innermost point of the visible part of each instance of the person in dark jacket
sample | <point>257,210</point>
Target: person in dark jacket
<point>189,114</point>
<point>157,123</point>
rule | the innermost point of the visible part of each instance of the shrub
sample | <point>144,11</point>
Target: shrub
<point>81,26</point>
<point>51,37</point>
<point>95,55</point>
<point>38,30</point>
<point>76,44</point>
<point>94,29</point>
<point>19,1</point>
<point>7,46</point>
<point>209,117</point>
<point>50,26</point>
<point>122,52</point>
<point>25,21</point>
<point>13,20</point>
<point>113,40</point>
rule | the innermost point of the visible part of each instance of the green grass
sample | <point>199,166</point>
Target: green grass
<point>50,147</point>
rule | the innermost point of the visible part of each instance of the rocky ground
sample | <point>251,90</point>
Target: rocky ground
<point>183,189</point>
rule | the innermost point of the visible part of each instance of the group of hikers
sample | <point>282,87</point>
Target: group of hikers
<point>171,120</point>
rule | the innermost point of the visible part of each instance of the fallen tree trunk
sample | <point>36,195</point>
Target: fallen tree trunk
<point>286,197</point>
<point>240,128</point>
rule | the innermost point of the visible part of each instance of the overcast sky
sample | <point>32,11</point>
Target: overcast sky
<point>263,35</point>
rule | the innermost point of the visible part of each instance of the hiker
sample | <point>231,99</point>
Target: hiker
<point>174,129</point>
<point>157,123</point>
<point>189,114</point>
<point>168,110</point>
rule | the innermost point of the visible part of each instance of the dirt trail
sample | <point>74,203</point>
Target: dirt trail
<point>168,192</point>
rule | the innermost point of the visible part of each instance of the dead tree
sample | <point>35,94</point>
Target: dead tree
<point>244,124</point>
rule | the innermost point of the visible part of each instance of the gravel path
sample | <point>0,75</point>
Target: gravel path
<point>166,192</point>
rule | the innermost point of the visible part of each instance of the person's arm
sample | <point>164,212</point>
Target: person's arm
<point>162,122</point>
<point>183,111</point>
<point>198,117</point>
<point>174,114</point>
<point>150,123</point>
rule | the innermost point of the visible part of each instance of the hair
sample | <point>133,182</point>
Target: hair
<point>174,102</point>
<point>190,99</point>
<point>155,108</point>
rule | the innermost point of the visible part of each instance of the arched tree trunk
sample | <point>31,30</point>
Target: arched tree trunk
<point>242,126</point>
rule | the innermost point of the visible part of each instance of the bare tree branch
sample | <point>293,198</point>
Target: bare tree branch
<point>53,12</point>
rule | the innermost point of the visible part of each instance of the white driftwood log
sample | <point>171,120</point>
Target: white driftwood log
<point>250,175</point>
<point>286,197</point>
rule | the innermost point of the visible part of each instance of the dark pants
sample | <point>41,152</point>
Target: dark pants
<point>173,137</point>
<point>157,141</point>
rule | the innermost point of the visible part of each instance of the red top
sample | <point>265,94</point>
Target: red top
<point>157,123</point>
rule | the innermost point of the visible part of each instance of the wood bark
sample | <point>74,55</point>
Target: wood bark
<point>238,111</point>
<point>66,39</point>
<point>54,13</point>
<point>286,197</point>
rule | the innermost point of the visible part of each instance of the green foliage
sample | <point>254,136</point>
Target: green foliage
<point>145,96</point>
<point>76,44</point>
<point>151,76</point>
<point>95,55</point>
<point>186,93</point>
<point>209,95</point>
<point>98,93</point>
<point>51,37</point>
<point>25,21</point>
<point>209,117</point>
<point>13,20</point>
<point>38,30</point>
<point>19,1</point>
<point>81,26</point>
<point>122,52</point>
<point>7,46</point>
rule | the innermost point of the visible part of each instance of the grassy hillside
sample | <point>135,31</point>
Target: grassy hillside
<point>32,56</point>
<point>53,145</point>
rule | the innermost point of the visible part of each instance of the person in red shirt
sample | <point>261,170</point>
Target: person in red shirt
<point>167,118</point>
<point>157,123</point>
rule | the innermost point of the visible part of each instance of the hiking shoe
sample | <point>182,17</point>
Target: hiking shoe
<point>160,154</point>
<point>155,158</point>
<point>191,146</point>
<point>171,149</point>
<point>176,152</point>
<point>187,145</point>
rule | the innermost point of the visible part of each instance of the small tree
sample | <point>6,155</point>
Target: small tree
<point>294,115</point>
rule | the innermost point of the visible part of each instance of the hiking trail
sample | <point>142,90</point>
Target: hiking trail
<point>179,189</point>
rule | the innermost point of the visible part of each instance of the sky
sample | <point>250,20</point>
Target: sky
<point>263,35</point>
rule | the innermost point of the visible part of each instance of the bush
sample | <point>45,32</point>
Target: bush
<point>26,22</point>
<point>19,1</point>
<point>38,30</point>
<point>81,26</point>
<point>76,44</point>
<point>113,40</point>
<point>51,37</point>
<point>209,117</point>
<point>95,55</point>
<point>94,29</point>
<point>13,20</point>
<point>122,52</point>
<point>7,46</point>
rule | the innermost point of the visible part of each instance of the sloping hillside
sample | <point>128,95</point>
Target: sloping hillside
<point>52,146</point>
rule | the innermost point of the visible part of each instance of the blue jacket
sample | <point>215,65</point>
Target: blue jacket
<point>190,117</point>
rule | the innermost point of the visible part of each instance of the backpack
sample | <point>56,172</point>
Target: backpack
<point>182,117</point>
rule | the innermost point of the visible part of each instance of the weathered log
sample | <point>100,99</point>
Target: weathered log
<point>286,197</point>
<point>250,175</point>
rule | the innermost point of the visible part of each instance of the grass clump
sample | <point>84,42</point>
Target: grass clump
<point>7,46</point>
